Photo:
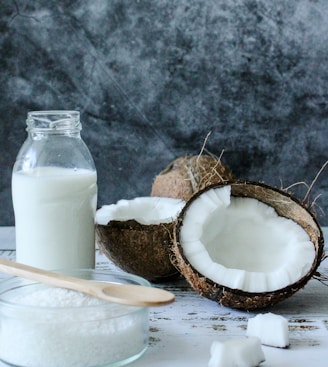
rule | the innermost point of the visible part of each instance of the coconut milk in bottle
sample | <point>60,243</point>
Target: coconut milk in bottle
<point>54,189</point>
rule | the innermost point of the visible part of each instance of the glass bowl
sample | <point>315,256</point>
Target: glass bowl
<point>43,326</point>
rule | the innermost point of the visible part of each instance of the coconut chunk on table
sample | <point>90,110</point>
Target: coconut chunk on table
<point>271,329</point>
<point>237,352</point>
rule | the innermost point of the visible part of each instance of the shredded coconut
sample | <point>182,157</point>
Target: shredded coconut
<point>62,328</point>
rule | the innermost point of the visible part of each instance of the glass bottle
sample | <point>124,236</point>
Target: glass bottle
<point>54,190</point>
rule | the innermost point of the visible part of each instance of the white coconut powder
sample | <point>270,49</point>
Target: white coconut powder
<point>85,332</point>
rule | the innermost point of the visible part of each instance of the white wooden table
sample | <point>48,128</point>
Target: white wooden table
<point>181,333</point>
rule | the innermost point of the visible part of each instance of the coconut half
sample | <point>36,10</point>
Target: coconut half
<point>246,245</point>
<point>186,175</point>
<point>136,235</point>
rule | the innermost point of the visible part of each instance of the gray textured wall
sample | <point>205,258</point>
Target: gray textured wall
<point>152,78</point>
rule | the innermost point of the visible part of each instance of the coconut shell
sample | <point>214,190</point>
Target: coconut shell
<point>139,249</point>
<point>187,175</point>
<point>286,206</point>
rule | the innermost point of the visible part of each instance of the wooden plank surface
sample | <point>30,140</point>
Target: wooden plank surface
<point>181,333</point>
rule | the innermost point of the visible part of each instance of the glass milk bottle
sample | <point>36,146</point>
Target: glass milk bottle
<point>54,190</point>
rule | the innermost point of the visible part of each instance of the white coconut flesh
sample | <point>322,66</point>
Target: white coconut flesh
<point>145,210</point>
<point>242,243</point>
<point>271,329</point>
<point>236,352</point>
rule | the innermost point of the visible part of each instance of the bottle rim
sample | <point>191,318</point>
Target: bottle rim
<point>56,120</point>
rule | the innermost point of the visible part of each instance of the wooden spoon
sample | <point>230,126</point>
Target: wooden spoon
<point>127,294</point>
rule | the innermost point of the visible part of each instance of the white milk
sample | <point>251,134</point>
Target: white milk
<point>54,215</point>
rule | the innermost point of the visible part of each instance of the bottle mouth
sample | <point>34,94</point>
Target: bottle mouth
<point>53,120</point>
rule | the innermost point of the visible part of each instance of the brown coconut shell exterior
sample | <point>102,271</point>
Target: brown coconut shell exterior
<point>286,206</point>
<point>188,174</point>
<point>138,249</point>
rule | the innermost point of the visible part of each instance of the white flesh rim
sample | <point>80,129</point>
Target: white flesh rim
<point>242,243</point>
<point>145,210</point>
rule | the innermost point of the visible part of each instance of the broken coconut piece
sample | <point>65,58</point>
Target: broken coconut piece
<point>136,235</point>
<point>237,352</point>
<point>246,245</point>
<point>271,329</point>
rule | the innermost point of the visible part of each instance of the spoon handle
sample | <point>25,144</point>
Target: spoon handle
<point>129,294</point>
<point>41,275</point>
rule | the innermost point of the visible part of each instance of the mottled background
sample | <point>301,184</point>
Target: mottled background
<point>153,78</point>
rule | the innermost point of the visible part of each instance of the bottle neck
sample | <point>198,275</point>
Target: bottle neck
<point>44,123</point>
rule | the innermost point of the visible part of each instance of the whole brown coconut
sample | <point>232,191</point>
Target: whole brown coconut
<point>188,174</point>
<point>285,206</point>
